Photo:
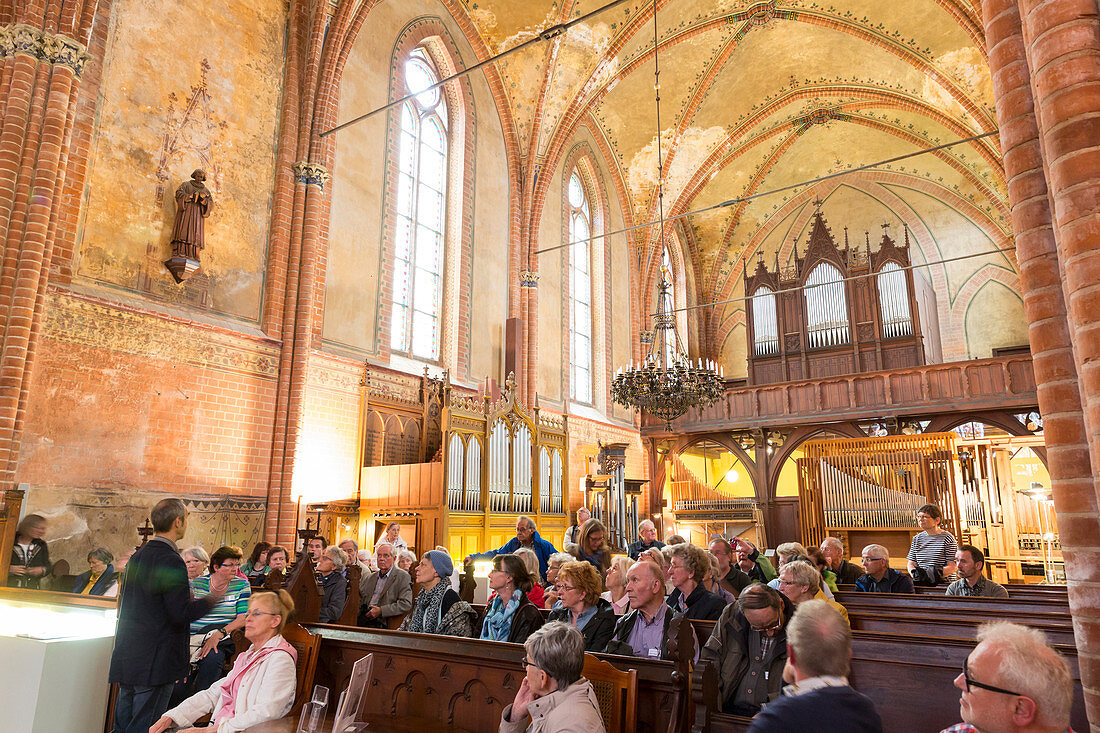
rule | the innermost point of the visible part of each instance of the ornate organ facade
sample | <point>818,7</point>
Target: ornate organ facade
<point>836,311</point>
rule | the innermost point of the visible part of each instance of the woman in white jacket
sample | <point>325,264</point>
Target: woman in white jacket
<point>260,686</point>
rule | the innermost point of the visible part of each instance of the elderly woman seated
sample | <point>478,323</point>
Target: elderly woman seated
<point>334,587</point>
<point>260,686</point>
<point>437,608</point>
<point>615,582</point>
<point>581,606</point>
<point>553,692</point>
<point>101,578</point>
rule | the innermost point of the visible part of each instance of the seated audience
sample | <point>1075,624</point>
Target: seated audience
<point>1013,682</point>
<point>818,698</point>
<point>438,609</point>
<point>386,593</point>
<point>196,560</point>
<point>688,565</point>
<point>730,576</point>
<point>647,538</point>
<point>211,644</point>
<point>526,536</point>
<point>552,566</point>
<point>315,547</point>
<point>879,577</point>
<point>581,606</point>
<point>752,561</point>
<point>334,587</point>
<point>615,582</point>
<point>784,554</point>
<point>972,582</point>
<point>278,558</point>
<point>262,683</point>
<point>537,593</point>
<point>846,573</point>
<point>749,648</point>
<point>656,556</point>
<point>817,559</point>
<point>574,531</point>
<point>101,578</point>
<point>392,536</point>
<point>710,581</point>
<point>405,560</point>
<point>30,557</point>
<point>643,630</point>
<point>591,547</point>
<point>257,566</point>
<point>931,558</point>
<point>553,693</point>
<point>800,582</point>
<point>510,616</point>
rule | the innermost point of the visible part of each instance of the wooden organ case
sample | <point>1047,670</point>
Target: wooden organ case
<point>810,321</point>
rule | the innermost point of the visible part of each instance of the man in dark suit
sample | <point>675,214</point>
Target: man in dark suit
<point>154,611</point>
<point>385,594</point>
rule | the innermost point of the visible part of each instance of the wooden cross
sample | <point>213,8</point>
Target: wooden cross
<point>146,532</point>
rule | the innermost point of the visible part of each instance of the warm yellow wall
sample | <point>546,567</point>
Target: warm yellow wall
<point>717,464</point>
<point>552,319</point>
<point>154,68</point>
<point>994,318</point>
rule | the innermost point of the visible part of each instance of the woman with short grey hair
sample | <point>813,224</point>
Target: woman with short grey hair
<point>196,560</point>
<point>553,692</point>
<point>101,578</point>
<point>334,586</point>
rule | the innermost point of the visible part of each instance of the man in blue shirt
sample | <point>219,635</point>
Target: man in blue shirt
<point>526,536</point>
<point>878,576</point>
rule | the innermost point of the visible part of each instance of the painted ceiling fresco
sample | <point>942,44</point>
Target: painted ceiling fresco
<point>758,95</point>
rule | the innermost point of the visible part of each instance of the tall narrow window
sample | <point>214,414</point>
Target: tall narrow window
<point>580,291</point>
<point>421,196</point>
<point>893,298</point>
<point>826,307</point>
<point>669,345</point>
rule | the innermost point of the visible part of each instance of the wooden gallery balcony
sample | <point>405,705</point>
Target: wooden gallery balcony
<point>1001,383</point>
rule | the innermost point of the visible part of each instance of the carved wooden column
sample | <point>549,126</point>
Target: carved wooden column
<point>1041,274</point>
<point>42,56</point>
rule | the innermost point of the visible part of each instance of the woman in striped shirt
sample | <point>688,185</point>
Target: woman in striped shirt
<point>214,629</point>
<point>934,548</point>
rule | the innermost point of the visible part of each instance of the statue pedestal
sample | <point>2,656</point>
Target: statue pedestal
<point>181,267</point>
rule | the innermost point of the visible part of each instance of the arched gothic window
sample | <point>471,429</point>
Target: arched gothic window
<point>826,307</point>
<point>765,324</point>
<point>893,298</point>
<point>669,345</point>
<point>415,324</point>
<point>580,290</point>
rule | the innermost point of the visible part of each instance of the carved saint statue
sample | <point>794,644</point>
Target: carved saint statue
<point>193,204</point>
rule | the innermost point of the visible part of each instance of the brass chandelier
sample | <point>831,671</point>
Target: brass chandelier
<point>667,383</point>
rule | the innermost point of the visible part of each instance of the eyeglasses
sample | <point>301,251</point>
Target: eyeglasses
<point>562,587</point>
<point>971,683</point>
<point>230,565</point>
<point>528,663</point>
<point>252,612</point>
<point>767,629</point>
<point>866,560</point>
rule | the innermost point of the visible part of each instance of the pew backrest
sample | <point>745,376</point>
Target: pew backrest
<point>617,692</point>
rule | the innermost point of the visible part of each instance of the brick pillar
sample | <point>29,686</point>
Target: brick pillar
<point>42,56</point>
<point>1060,393</point>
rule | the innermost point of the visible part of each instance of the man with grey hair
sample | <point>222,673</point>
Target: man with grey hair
<point>846,573</point>
<point>572,535</point>
<point>526,536</point>
<point>351,549</point>
<point>1013,682</point>
<point>553,692</point>
<point>647,537</point>
<point>818,697</point>
<point>385,594</point>
<point>334,586</point>
<point>878,576</point>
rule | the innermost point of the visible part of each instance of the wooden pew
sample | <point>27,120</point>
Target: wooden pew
<point>959,604</point>
<point>464,684</point>
<point>908,677</point>
<point>958,627</point>
<point>351,605</point>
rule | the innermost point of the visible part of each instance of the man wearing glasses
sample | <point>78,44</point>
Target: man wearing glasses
<point>1013,682</point>
<point>878,576</point>
<point>749,648</point>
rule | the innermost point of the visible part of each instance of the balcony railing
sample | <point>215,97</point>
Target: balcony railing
<point>1004,382</point>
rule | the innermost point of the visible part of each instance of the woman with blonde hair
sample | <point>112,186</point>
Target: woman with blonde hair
<point>615,582</point>
<point>537,594</point>
<point>591,547</point>
<point>261,685</point>
<point>581,606</point>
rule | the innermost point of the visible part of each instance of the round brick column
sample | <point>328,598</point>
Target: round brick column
<point>1050,330</point>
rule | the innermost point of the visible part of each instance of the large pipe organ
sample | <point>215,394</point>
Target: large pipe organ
<point>838,311</point>
<point>496,462</point>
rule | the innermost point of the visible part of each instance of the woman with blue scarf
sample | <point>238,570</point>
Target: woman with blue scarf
<point>101,578</point>
<point>510,616</point>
